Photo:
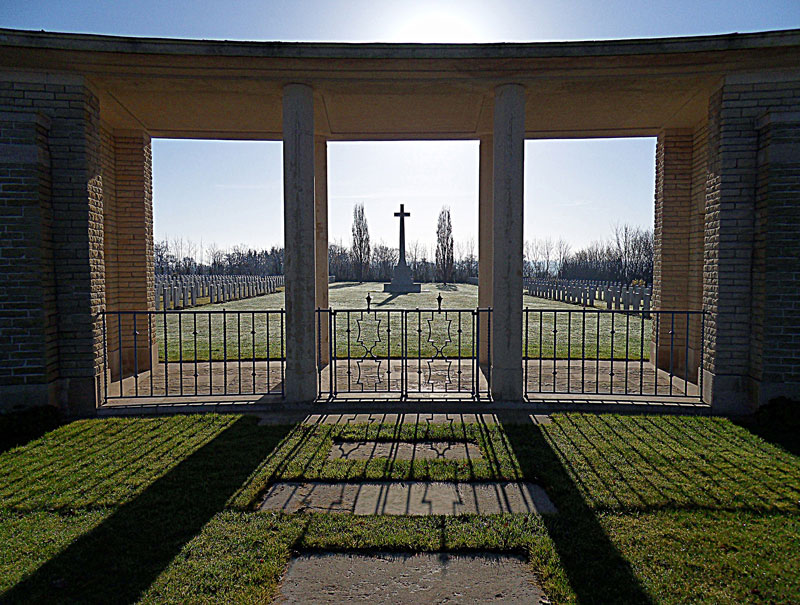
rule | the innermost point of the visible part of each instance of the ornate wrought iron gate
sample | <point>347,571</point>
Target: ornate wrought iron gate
<point>404,352</point>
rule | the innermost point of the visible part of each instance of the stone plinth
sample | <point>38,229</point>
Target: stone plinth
<point>401,281</point>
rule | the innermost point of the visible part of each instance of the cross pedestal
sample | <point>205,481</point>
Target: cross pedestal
<point>402,283</point>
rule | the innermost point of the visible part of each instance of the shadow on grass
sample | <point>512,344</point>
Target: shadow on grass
<point>18,428</point>
<point>389,299</point>
<point>121,558</point>
<point>777,422</point>
<point>596,570</point>
<point>337,286</point>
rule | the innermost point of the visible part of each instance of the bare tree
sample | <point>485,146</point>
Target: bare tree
<point>547,253</point>
<point>528,253</point>
<point>216,258</point>
<point>563,251</point>
<point>384,259</point>
<point>466,264</point>
<point>161,257</point>
<point>413,255</point>
<point>361,248</point>
<point>444,246</point>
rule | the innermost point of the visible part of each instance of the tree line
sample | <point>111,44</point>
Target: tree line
<point>625,257</point>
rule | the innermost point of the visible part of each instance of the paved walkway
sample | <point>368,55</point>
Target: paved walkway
<point>409,579</point>
<point>403,450</point>
<point>383,378</point>
<point>408,498</point>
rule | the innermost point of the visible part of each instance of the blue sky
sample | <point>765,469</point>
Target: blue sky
<point>229,193</point>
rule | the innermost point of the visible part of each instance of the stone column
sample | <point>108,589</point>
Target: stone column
<point>129,268</point>
<point>485,242</point>
<point>298,201</point>
<point>508,169</point>
<point>321,223</point>
<point>671,253</point>
<point>729,246</point>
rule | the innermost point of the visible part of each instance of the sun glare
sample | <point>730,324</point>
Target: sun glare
<point>439,26</point>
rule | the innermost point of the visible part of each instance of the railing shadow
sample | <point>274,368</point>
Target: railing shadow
<point>126,553</point>
<point>597,571</point>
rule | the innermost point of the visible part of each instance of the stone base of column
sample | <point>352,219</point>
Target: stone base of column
<point>300,387</point>
<point>506,384</point>
<point>16,397</point>
<point>80,396</point>
<point>729,394</point>
<point>145,359</point>
<point>679,362</point>
<point>402,288</point>
<point>75,397</point>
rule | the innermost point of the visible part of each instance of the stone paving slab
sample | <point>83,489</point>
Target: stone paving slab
<point>399,418</point>
<point>408,498</point>
<point>404,450</point>
<point>421,418</point>
<point>409,578</point>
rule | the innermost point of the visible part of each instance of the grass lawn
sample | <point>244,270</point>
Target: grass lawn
<point>651,509</point>
<point>233,335</point>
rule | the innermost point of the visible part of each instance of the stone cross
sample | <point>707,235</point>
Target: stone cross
<point>402,214</point>
<point>402,283</point>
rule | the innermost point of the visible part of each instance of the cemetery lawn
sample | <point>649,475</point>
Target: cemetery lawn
<point>231,336</point>
<point>650,508</point>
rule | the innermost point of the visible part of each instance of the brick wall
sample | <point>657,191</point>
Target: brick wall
<point>734,261</point>
<point>775,332</point>
<point>28,327</point>
<point>76,290</point>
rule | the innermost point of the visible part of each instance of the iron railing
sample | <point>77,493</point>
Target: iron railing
<point>193,353</point>
<point>613,352</point>
<point>404,352</point>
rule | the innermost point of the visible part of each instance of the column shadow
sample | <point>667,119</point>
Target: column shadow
<point>597,571</point>
<point>119,559</point>
<point>20,427</point>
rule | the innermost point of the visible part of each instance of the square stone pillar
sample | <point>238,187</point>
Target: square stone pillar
<point>299,237</point>
<point>70,265</point>
<point>775,330</point>
<point>321,232</point>
<point>729,248</point>
<point>672,254</point>
<point>485,244</point>
<point>508,168</point>
<point>29,323</point>
<point>130,279</point>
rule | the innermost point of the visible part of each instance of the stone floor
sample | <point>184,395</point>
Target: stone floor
<point>408,498</point>
<point>385,379</point>
<point>406,579</point>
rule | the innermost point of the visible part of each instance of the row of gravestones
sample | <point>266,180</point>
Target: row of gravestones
<point>185,291</point>
<point>628,298</point>
<point>538,281</point>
